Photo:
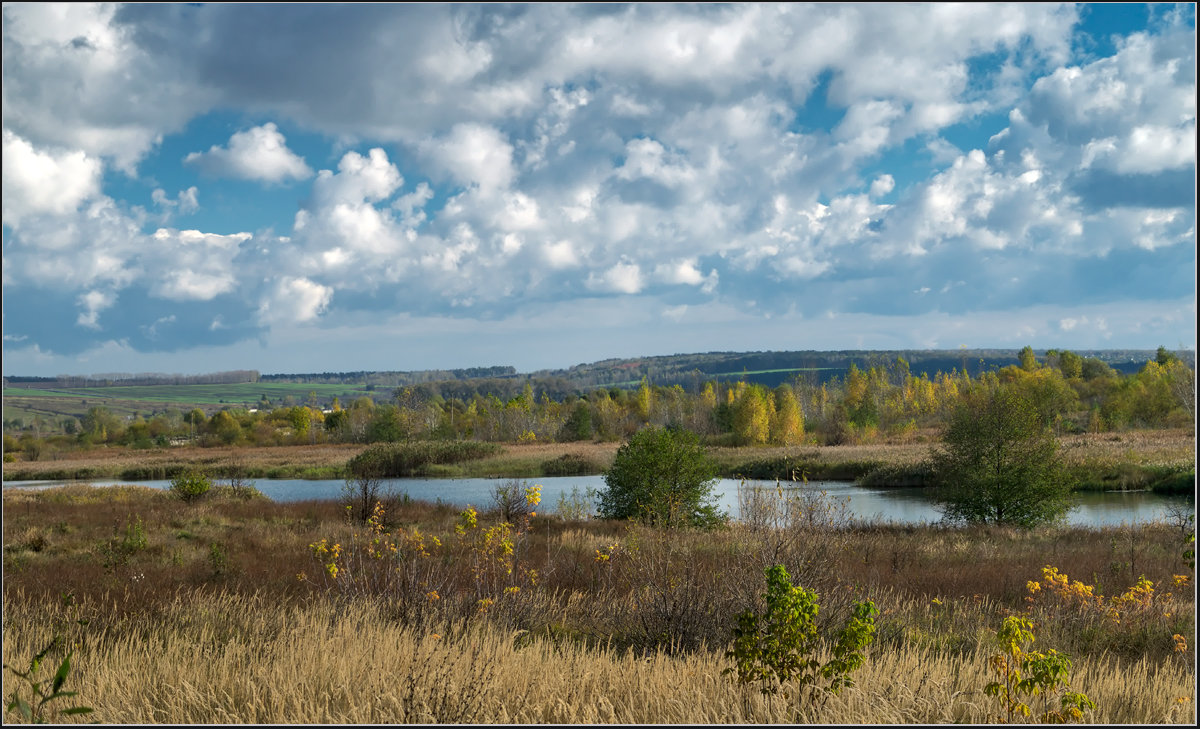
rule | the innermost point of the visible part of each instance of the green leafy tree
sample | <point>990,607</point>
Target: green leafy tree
<point>662,476</point>
<point>1027,359</point>
<point>579,424</point>
<point>999,462</point>
<point>1071,364</point>
<point>1097,368</point>
<point>1163,356</point>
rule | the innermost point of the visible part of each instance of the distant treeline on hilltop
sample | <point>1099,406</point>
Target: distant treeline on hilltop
<point>774,368</point>
<point>125,379</point>
<point>394,379</point>
<point>687,370</point>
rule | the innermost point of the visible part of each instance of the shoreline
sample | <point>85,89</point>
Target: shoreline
<point>1129,461</point>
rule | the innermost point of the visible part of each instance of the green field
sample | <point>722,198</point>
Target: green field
<point>25,402</point>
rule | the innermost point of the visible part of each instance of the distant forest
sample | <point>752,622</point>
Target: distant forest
<point>689,371</point>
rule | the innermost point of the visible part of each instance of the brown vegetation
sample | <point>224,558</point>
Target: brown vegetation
<point>194,613</point>
<point>1153,447</point>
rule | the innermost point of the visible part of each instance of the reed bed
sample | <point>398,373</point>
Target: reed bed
<point>223,658</point>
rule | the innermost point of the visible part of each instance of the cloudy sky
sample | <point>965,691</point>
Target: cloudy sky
<point>328,187</point>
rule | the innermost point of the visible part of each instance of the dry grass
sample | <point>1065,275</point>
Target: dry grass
<point>236,659</point>
<point>1103,450</point>
<point>1144,447</point>
<point>176,635</point>
<point>155,462</point>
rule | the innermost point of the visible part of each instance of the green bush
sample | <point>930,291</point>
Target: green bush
<point>394,460</point>
<point>570,464</point>
<point>780,646</point>
<point>664,477</point>
<point>191,485</point>
<point>999,462</point>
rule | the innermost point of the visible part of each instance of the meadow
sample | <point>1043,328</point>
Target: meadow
<point>234,609</point>
<point>52,403</point>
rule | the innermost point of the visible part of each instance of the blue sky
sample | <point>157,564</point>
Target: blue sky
<point>192,188</point>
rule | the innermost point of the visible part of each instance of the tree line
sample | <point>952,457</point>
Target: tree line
<point>1071,392</point>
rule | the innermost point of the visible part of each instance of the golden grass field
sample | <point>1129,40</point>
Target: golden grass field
<point>231,659</point>
<point>195,613</point>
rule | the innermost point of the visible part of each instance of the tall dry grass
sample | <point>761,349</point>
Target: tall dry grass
<point>624,623</point>
<point>224,658</point>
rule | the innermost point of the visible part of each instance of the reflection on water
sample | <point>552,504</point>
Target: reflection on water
<point>903,506</point>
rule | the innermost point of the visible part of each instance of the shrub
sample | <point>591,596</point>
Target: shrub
<point>510,500</point>
<point>364,482</point>
<point>570,464</point>
<point>393,460</point>
<point>1024,674</point>
<point>780,646</point>
<point>664,477</point>
<point>577,506</point>
<point>190,485</point>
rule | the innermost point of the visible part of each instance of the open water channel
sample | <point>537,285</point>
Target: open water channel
<point>897,505</point>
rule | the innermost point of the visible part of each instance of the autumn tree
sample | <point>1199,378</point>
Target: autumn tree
<point>999,462</point>
<point>787,425</point>
<point>752,415</point>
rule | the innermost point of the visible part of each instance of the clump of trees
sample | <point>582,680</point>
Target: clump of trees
<point>999,463</point>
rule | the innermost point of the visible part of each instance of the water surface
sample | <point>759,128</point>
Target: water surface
<point>897,505</point>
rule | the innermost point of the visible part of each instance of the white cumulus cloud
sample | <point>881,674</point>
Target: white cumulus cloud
<point>473,154</point>
<point>259,153</point>
<point>45,182</point>
<point>294,300</point>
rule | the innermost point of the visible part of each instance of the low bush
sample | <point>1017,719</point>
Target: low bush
<point>510,501</point>
<point>191,485</point>
<point>780,646</point>
<point>570,464</point>
<point>886,476</point>
<point>394,460</point>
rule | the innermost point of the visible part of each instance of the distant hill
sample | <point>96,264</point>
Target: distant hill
<point>768,368</point>
<point>774,368</point>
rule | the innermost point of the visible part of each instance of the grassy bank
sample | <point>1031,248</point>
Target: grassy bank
<point>195,612</point>
<point>1159,460</point>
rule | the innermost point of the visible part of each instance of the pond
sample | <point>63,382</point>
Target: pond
<point>897,505</point>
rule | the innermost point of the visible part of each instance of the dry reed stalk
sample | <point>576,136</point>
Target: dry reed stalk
<point>237,659</point>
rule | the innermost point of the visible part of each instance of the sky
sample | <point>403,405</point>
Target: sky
<point>193,188</point>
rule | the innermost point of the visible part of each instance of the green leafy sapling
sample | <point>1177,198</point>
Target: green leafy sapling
<point>1024,674</point>
<point>37,709</point>
<point>780,647</point>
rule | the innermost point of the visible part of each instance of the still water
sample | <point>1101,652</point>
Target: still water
<point>898,505</point>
